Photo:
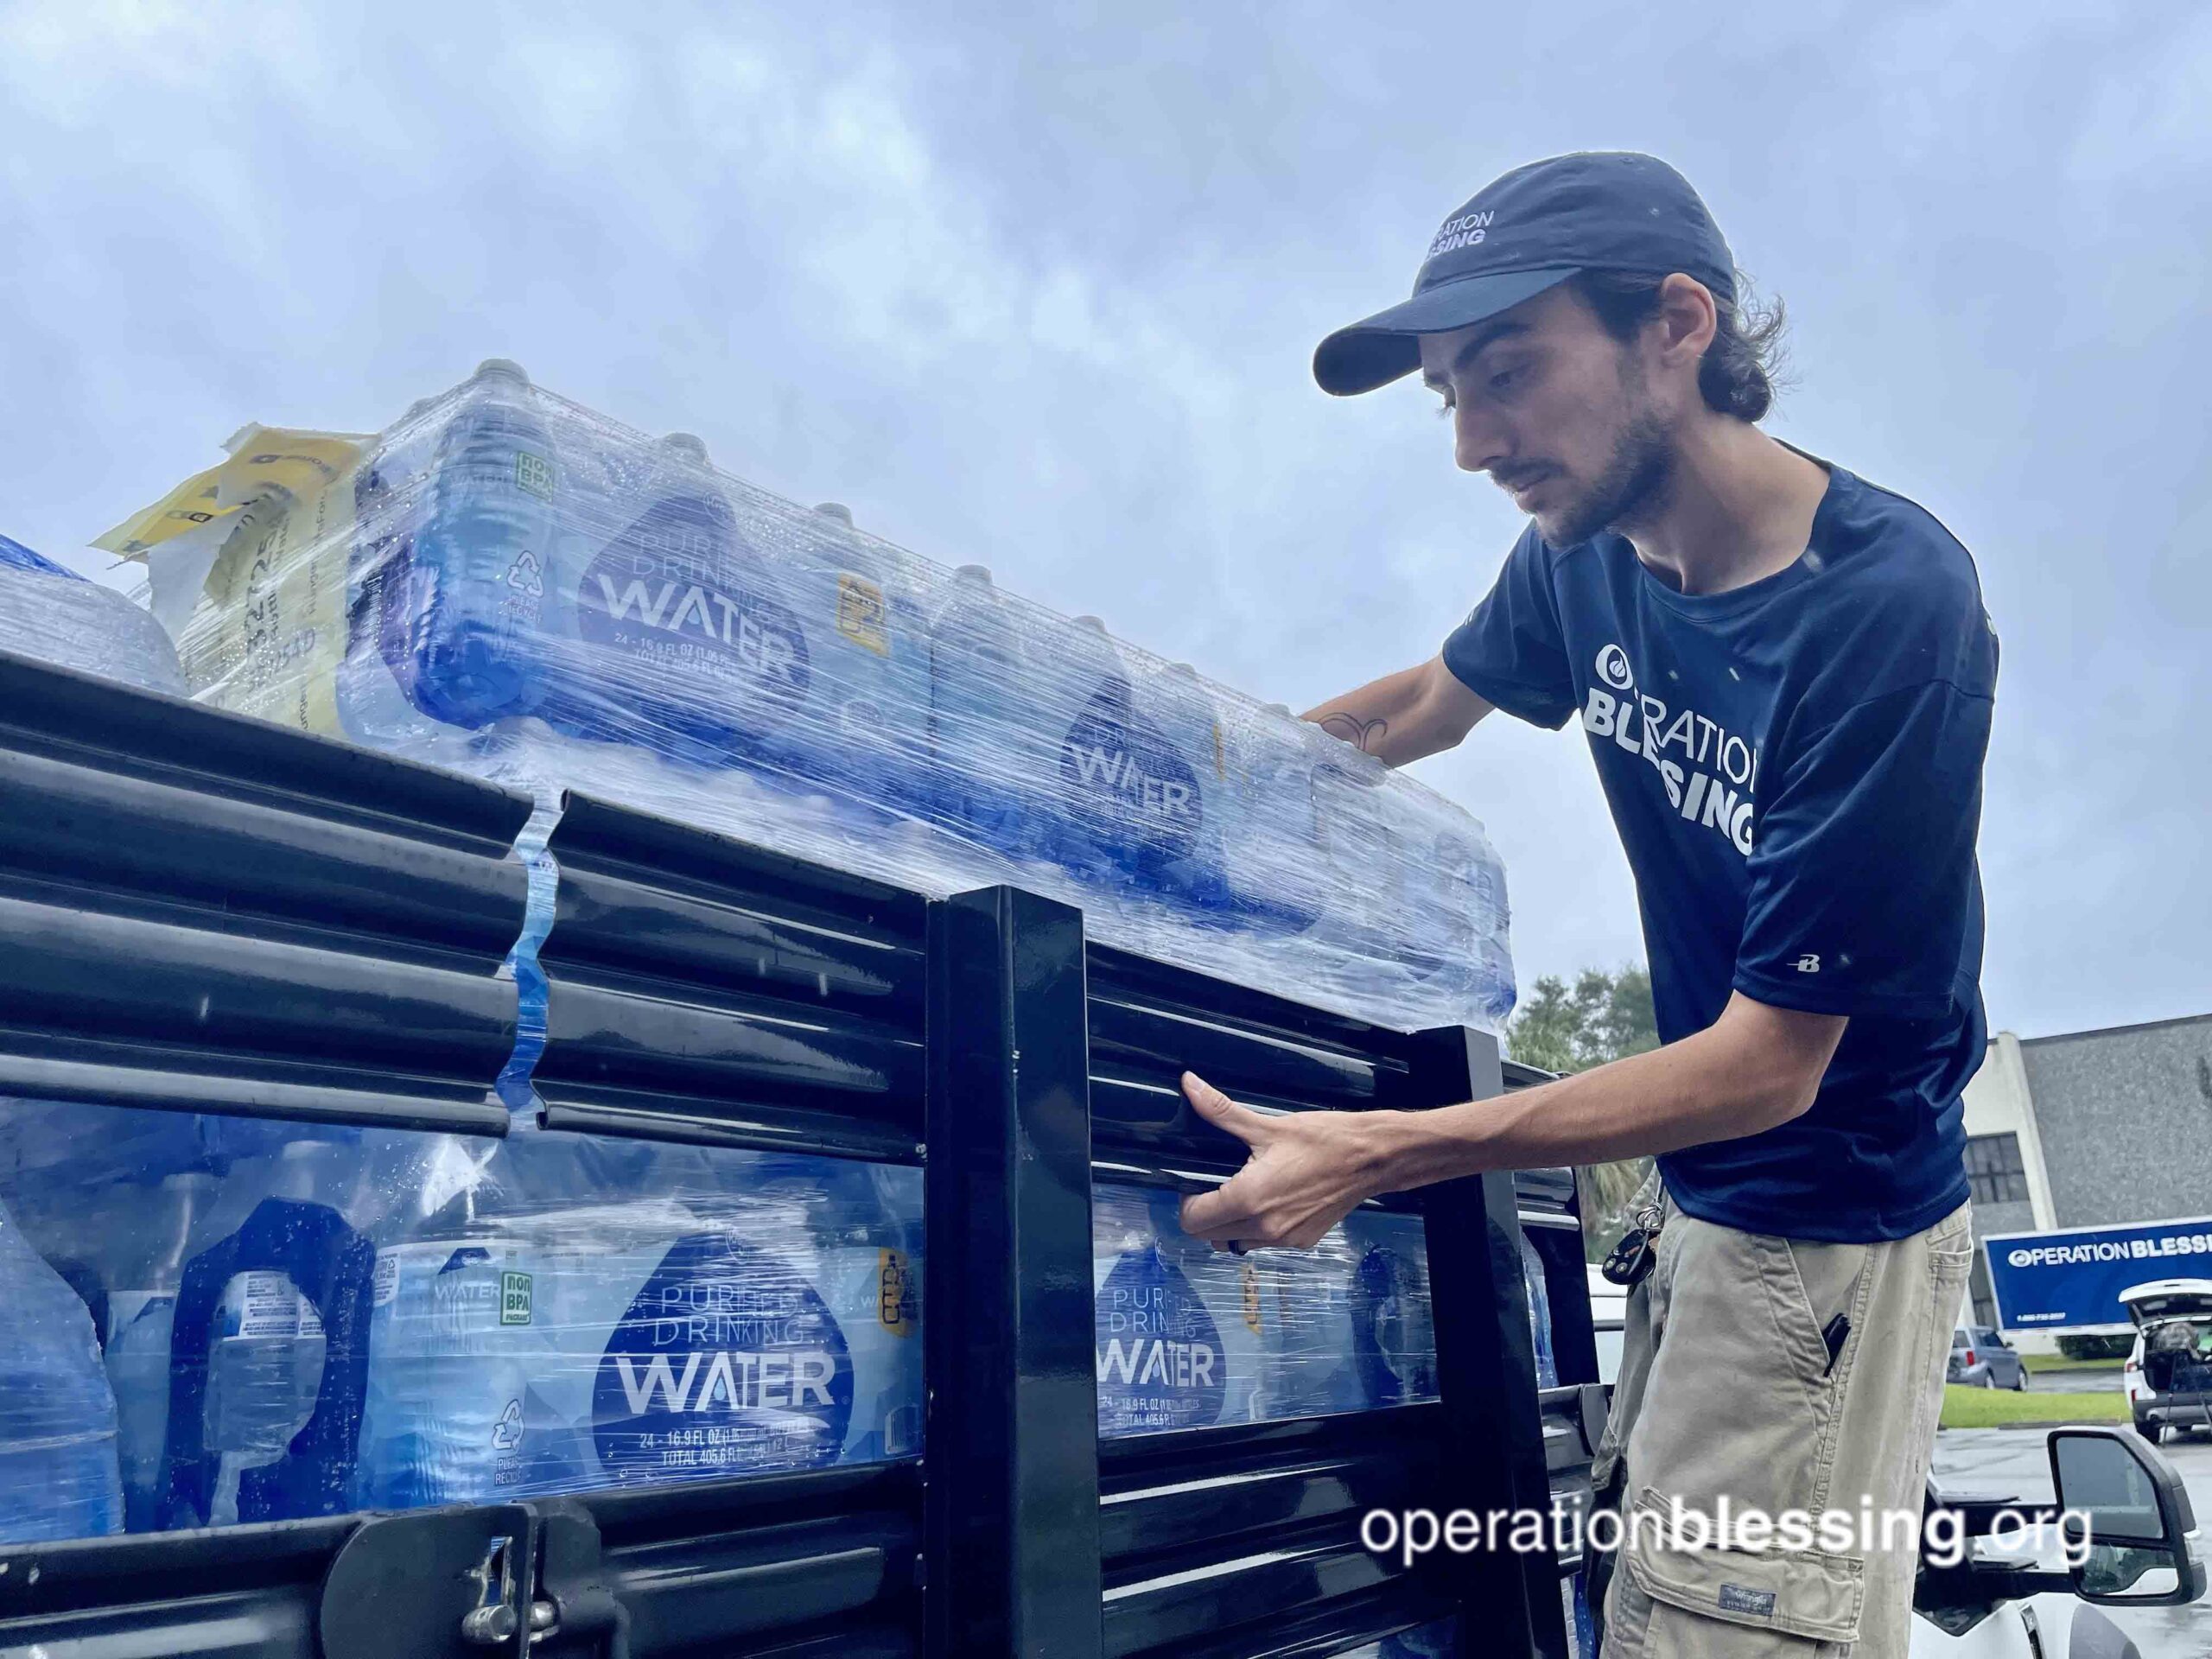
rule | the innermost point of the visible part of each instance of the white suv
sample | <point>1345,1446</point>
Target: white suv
<point>2168,1371</point>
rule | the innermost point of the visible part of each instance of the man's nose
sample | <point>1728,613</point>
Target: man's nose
<point>1478,441</point>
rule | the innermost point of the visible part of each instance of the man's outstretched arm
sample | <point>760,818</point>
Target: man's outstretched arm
<point>1752,1069</point>
<point>1403,717</point>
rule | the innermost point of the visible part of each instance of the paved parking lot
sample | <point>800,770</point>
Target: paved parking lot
<point>2014,1460</point>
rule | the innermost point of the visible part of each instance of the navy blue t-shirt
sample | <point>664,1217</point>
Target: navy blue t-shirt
<point>1795,767</point>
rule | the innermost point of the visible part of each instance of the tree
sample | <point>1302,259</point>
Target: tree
<point>1606,1016</point>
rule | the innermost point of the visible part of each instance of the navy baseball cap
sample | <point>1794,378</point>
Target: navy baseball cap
<point>1531,230</point>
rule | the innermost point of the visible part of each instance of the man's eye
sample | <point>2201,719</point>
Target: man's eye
<point>1444,408</point>
<point>1504,379</point>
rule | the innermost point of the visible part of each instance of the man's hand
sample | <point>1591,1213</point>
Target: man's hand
<point>1308,1171</point>
<point>1752,1069</point>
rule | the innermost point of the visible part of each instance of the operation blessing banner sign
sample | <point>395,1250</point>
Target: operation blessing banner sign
<point>2070,1279</point>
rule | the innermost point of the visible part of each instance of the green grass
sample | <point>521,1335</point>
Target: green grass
<point>2060,1362</point>
<point>1989,1407</point>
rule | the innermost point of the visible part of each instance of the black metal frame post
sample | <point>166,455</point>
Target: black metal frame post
<point>1011,1454</point>
<point>1486,1372</point>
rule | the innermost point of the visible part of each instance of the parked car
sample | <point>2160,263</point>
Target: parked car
<point>2168,1375</point>
<point>1980,1358</point>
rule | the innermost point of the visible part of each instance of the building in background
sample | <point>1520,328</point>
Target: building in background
<point>2089,1129</point>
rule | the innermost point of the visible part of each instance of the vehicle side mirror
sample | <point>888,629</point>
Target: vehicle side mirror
<point>2130,1535</point>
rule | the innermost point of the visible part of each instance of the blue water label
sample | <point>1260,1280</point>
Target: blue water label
<point>1123,781</point>
<point>726,1360</point>
<point>1160,1365</point>
<point>664,592</point>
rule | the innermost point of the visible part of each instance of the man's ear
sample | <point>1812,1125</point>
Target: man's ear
<point>1687,319</point>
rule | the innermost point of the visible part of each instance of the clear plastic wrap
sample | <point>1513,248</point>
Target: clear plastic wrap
<point>307,1319</point>
<point>1188,1337</point>
<point>506,583</point>
<point>52,614</point>
<point>59,1477</point>
<point>303,1320</point>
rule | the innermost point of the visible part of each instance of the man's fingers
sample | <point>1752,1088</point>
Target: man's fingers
<point>1217,1217</point>
<point>1218,1110</point>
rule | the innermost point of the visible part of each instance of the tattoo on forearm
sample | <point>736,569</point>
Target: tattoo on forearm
<point>1366,735</point>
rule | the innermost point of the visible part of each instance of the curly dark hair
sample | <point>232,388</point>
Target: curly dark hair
<point>1740,369</point>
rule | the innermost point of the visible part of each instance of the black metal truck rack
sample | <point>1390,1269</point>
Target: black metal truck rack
<point>203,913</point>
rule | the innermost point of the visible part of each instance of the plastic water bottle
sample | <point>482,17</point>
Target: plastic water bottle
<point>1472,907</point>
<point>990,758</point>
<point>885,1298</point>
<point>574,1313</point>
<point>378,673</point>
<point>1187,828</point>
<point>1276,865</point>
<point>1132,805</point>
<point>866,735</point>
<point>1177,1332</point>
<point>59,1476</point>
<point>687,637</point>
<point>443,1366</point>
<point>475,599</point>
<point>1354,835</point>
<point>1394,1324</point>
<point>499,1275</point>
<point>50,613</point>
<point>267,1343</point>
<point>1307,1330</point>
<point>1090,830</point>
<point>155,1226</point>
<point>1540,1313</point>
<point>1449,898</point>
<point>862,1228</point>
<point>110,1197</point>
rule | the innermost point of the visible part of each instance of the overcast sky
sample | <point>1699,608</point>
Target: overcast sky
<point>1039,285</point>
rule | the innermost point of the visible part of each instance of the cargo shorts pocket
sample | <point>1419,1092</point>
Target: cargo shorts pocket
<point>1719,1603</point>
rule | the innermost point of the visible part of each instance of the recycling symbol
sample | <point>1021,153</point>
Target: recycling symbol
<point>524,576</point>
<point>506,1434</point>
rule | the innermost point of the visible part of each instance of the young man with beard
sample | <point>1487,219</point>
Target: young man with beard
<point>1784,674</point>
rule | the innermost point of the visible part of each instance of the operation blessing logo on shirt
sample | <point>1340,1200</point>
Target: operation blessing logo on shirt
<point>1712,782</point>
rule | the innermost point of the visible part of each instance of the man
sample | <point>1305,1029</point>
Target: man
<point>1784,675</point>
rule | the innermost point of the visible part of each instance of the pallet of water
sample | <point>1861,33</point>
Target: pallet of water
<point>507,583</point>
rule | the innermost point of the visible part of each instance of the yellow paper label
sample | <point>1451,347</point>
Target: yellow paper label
<point>897,1293</point>
<point>862,616</point>
<point>271,627</point>
<point>264,459</point>
<point>187,506</point>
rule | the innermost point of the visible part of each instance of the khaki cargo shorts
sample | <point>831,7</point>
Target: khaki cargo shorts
<point>1727,1389</point>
